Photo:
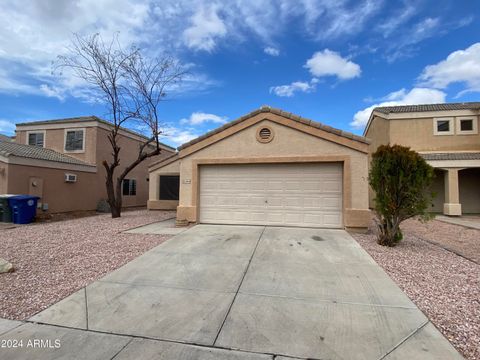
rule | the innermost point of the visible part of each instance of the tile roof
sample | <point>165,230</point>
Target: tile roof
<point>36,152</point>
<point>268,109</point>
<point>452,156</point>
<point>428,107</point>
<point>80,119</point>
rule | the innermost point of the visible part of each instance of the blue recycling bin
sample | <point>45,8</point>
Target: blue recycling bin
<point>24,208</point>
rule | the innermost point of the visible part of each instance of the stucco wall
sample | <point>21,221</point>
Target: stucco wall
<point>287,142</point>
<point>55,139</point>
<point>378,133</point>
<point>418,135</point>
<point>3,178</point>
<point>60,196</point>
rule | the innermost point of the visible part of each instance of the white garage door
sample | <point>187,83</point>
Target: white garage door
<point>272,194</point>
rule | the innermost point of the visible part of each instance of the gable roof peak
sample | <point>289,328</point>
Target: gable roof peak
<point>279,112</point>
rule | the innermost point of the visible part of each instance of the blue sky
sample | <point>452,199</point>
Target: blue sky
<point>328,60</point>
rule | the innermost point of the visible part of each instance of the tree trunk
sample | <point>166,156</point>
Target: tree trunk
<point>389,232</point>
<point>117,208</point>
<point>113,199</point>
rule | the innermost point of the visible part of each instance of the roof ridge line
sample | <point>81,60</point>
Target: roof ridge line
<point>280,112</point>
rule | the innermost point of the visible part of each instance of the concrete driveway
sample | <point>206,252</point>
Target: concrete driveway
<point>239,292</point>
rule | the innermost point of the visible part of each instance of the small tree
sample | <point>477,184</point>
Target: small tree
<point>400,178</point>
<point>131,85</point>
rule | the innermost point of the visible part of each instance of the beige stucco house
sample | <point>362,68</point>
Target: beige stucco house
<point>61,162</point>
<point>447,136</point>
<point>268,167</point>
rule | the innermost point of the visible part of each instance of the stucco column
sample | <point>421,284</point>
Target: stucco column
<point>452,204</point>
<point>153,189</point>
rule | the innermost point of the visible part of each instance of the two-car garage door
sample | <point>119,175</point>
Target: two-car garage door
<point>272,194</point>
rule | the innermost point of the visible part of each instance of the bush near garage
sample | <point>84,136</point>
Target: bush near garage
<point>400,178</point>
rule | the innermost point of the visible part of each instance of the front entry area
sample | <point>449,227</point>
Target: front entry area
<point>307,194</point>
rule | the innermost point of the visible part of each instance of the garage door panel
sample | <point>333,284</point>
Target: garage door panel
<point>272,194</point>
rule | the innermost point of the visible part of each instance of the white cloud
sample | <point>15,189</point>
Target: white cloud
<point>461,66</point>
<point>52,91</point>
<point>206,27</point>
<point>391,24</point>
<point>291,89</point>
<point>7,127</point>
<point>175,136</point>
<point>271,51</point>
<point>405,44</point>
<point>401,97</point>
<point>198,118</point>
<point>34,33</point>
<point>330,63</point>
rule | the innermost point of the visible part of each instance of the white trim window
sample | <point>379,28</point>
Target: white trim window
<point>467,125</point>
<point>36,138</point>
<point>443,126</point>
<point>129,187</point>
<point>74,140</point>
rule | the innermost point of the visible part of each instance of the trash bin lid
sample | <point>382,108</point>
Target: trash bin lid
<point>24,197</point>
<point>4,196</point>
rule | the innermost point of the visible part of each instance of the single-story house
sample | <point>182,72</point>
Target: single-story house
<point>268,167</point>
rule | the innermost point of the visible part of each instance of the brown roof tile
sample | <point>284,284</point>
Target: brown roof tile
<point>452,156</point>
<point>8,148</point>
<point>428,107</point>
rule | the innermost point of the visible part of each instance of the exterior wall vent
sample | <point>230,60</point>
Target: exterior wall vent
<point>264,134</point>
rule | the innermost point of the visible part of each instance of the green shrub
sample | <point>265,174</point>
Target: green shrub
<point>400,178</point>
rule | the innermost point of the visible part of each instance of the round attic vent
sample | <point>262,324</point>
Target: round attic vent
<point>264,134</point>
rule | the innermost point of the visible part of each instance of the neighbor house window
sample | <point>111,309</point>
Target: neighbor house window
<point>36,138</point>
<point>443,126</point>
<point>74,140</point>
<point>169,187</point>
<point>129,187</point>
<point>467,125</point>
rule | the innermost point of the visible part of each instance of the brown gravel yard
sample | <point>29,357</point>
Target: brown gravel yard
<point>445,286</point>
<point>460,239</point>
<point>53,260</point>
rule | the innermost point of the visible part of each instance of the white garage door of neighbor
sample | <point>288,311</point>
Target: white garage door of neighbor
<point>272,194</point>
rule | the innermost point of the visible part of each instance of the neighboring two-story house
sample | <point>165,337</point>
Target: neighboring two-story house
<point>61,162</point>
<point>447,137</point>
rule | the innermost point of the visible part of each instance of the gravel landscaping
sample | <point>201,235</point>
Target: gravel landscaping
<point>443,285</point>
<point>459,239</point>
<point>53,260</point>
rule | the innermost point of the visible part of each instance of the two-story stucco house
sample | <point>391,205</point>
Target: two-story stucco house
<point>61,162</point>
<point>447,136</point>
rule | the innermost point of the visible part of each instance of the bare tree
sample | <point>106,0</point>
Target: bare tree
<point>132,86</point>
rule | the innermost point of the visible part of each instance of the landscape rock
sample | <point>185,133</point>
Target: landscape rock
<point>5,266</point>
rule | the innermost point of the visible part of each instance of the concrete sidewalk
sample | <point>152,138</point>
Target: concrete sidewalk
<point>239,292</point>
<point>472,222</point>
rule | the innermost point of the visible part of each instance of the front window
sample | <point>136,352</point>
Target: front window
<point>36,139</point>
<point>74,140</point>
<point>129,187</point>
<point>443,126</point>
<point>466,125</point>
<point>169,187</point>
